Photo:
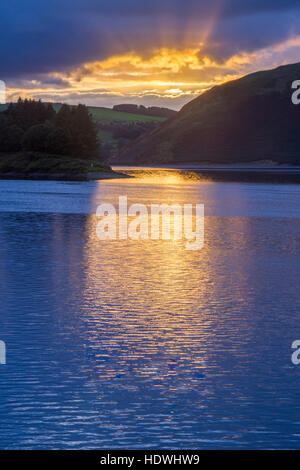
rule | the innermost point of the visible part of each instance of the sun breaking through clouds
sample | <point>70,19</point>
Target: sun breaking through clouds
<point>159,53</point>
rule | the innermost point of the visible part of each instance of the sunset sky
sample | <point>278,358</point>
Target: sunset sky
<point>154,52</point>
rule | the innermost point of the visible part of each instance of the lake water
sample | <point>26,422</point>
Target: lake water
<point>144,344</point>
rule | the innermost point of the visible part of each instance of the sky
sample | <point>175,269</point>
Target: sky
<point>150,52</point>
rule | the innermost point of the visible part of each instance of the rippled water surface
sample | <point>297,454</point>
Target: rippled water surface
<point>144,344</point>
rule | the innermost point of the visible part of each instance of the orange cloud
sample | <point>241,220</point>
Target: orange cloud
<point>167,76</point>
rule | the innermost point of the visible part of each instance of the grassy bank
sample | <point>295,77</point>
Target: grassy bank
<point>33,164</point>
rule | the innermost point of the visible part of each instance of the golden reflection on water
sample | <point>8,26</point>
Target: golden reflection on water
<point>161,310</point>
<point>163,176</point>
<point>144,342</point>
<point>154,304</point>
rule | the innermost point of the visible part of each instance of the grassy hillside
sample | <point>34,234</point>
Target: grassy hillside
<point>245,120</point>
<point>106,115</point>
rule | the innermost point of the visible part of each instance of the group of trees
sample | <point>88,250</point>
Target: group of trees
<point>150,111</point>
<point>35,126</point>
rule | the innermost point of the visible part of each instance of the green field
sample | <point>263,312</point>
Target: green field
<point>106,115</point>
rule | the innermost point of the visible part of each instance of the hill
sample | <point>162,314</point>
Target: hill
<point>248,119</point>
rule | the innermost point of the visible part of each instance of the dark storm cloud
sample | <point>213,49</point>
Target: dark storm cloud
<point>250,33</point>
<point>182,7</point>
<point>51,35</point>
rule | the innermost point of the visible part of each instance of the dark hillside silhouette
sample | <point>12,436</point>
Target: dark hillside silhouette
<point>245,120</point>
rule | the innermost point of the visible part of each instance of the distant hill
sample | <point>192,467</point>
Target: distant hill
<point>143,110</point>
<point>244,120</point>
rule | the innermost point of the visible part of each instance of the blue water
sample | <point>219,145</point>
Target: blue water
<point>146,345</point>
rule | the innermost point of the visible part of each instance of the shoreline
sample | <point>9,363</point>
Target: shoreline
<point>213,166</point>
<point>281,174</point>
<point>93,176</point>
<point>219,173</point>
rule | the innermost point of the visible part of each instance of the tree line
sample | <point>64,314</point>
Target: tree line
<point>140,109</point>
<point>31,125</point>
